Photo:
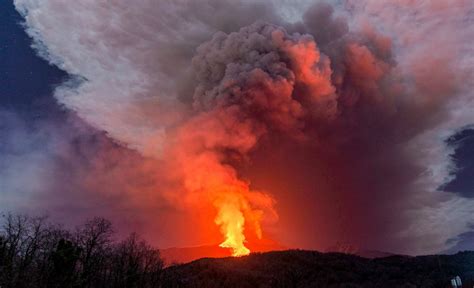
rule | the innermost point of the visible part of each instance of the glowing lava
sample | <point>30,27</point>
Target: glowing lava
<point>231,220</point>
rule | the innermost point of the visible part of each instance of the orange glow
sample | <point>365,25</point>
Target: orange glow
<point>233,212</point>
<point>232,220</point>
<point>209,182</point>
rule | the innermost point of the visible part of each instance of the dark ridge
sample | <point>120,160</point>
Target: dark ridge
<point>298,268</point>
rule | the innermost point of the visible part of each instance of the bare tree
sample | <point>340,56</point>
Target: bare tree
<point>95,238</point>
<point>35,253</point>
<point>136,264</point>
<point>23,239</point>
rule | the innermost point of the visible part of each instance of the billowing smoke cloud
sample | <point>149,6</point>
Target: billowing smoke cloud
<point>247,88</point>
<point>334,117</point>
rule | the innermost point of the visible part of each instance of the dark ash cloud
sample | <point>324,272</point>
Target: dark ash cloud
<point>350,104</point>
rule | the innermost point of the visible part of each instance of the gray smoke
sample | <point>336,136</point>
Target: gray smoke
<point>349,104</point>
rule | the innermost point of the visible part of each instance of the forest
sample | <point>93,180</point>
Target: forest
<point>37,253</point>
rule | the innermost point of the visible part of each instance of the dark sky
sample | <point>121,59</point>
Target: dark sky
<point>27,83</point>
<point>464,157</point>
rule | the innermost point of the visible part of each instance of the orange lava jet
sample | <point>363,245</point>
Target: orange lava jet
<point>232,220</point>
<point>239,208</point>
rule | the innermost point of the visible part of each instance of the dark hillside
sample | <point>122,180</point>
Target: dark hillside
<point>295,268</point>
<point>35,253</point>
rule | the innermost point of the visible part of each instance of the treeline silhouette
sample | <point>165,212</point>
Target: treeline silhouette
<point>37,253</point>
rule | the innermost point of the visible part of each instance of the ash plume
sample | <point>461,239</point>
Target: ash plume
<point>324,125</point>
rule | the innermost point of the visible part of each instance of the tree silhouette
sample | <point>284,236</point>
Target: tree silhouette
<point>35,253</point>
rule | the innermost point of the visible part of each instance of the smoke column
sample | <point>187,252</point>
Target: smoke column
<point>246,89</point>
<point>317,123</point>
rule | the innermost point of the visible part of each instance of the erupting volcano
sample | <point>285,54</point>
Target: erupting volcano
<point>240,122</point>
<point>251,83</point>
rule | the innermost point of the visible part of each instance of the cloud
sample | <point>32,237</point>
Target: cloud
<point>133,60</point>
<point>351,104</point>
<point>64,168</point>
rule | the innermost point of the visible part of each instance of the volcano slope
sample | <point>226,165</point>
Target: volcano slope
<point>297,268</point>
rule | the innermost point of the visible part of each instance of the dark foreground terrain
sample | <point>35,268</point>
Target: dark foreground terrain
<point>35,253</point>
<point>295,268</point>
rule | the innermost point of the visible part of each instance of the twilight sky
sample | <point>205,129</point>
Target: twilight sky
<point>322,123</point>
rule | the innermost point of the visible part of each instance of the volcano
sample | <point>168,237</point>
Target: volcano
<point>180,255</point>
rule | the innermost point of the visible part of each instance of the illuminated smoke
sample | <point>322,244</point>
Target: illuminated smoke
<point>247,82</point>
<point>340,124</point>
